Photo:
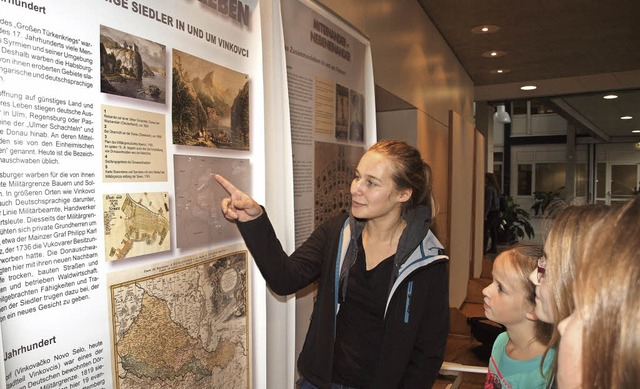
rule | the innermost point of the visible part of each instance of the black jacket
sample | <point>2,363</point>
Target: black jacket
<point>417,315</point>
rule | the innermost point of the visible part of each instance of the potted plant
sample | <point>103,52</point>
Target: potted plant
<point>513,221</point>
<point>542,200</point>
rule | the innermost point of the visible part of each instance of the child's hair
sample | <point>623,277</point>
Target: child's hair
<point>523,258</point>
<point>567,235</point>
<point>607,291</point>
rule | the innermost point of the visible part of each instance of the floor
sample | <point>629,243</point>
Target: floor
<point>462,348</point>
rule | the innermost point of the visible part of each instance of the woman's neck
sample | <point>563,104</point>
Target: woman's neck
<point>380,239</point>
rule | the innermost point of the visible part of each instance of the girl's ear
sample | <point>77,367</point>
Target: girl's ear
<point>405,195</point>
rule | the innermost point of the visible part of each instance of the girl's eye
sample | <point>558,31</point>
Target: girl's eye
<point>370,183</point>
<point>500,290</point>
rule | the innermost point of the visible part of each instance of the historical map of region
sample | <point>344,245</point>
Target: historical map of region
<point>199,221</point>
<point>184,328</point>
<point>136,224</point>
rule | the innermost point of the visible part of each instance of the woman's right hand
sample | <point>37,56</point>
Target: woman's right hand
<point>239,206</point>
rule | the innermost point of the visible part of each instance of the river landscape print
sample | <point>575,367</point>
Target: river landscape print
<point>210,104</point>
<point>132,66</point>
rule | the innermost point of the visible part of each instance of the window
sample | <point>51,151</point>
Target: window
<point>537,107</point>
<point>525,180</point>
<point>581,179</point>
<point>550,177</point>
<point>601,184</point>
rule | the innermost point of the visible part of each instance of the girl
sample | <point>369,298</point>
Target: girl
<point>510,301</point>
<point>555,274</point>
<point>381,317</point>
<point>600,345</point>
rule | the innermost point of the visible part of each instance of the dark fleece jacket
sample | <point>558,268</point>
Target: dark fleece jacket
<point>417,317</point>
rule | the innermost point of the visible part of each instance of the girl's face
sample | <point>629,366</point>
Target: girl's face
<point>504,299</point>
<point>570,351</point>
<point>373,192</point>
<point>543,296</point>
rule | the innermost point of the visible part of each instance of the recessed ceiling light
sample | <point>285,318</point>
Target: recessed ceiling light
<point>610,97</point>
<point>493,54</point>
<point>485,29</point>
<point>499,71</point>
<point>627,117</point>
<point>636,131</point>
<point>528,87</point>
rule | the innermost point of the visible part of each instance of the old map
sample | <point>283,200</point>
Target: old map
<point>183,327</point>
<point>135,224</point>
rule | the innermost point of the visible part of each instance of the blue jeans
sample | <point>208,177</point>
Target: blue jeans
<point>304,384</point>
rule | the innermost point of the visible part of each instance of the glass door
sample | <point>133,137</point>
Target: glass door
<point>616,182</point>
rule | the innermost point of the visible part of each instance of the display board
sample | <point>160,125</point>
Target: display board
<point>328,94</point>
<point>331,107</point>
<point>116,268</point>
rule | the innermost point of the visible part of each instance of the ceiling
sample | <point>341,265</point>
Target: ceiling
<point>575,51</point>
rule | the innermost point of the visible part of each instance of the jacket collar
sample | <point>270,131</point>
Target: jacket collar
<point>418,222</point>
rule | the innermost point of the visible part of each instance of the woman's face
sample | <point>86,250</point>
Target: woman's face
<point>544,299</point>
<point>373,192</point>
<point>570,351</point>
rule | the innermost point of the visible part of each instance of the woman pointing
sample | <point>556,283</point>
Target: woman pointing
<point>381,317</point>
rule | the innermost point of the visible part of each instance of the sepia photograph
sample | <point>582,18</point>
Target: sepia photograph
<point>131,66</point>
<point>210,105</point>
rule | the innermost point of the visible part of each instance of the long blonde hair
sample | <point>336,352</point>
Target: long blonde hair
<point>607,291</point>
<point>571,226</point>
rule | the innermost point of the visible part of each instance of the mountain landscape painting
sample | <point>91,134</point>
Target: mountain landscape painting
<point>132,66</point>
<point>210,104</point>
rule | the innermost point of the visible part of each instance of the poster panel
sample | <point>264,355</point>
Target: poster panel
<point>87,185</point>
<point>326,83</point>
<point>328,77</point>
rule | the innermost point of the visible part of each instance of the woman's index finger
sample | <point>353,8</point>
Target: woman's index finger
<point>229,187</point>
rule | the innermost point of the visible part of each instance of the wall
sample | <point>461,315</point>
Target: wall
<point>410,58</point>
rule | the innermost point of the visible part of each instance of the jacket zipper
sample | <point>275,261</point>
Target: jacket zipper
<point>407,306</point>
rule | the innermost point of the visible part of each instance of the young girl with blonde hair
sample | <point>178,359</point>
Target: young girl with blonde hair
<point>510,300</point>
<point>555,274</point>
<point>600,343</point>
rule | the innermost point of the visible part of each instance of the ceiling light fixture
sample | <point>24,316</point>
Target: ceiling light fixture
<point>501,115</point>
<point>636,131</point>
<point>528,87</point>
<point>627,117</point>
<point>610,97</point>
<point>485,29</point>
<point>499,71</point>
<point>493,54</point>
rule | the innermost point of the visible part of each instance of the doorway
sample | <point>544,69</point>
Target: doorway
<point>616,182</point>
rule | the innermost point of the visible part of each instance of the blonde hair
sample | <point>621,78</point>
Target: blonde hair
<point>567,235</point>
<point>607,291</point>
<point>523,258</point>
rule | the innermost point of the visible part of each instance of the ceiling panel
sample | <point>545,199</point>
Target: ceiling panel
<point>575,50</point>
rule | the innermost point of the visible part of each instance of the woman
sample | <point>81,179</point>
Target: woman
<point>600,342</point>
<point>491,212</point>
<point>555,274</point>
<point>381,317</point>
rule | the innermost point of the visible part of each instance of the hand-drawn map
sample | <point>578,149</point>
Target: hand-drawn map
<point>136,224</point>
<point>184,327</point>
